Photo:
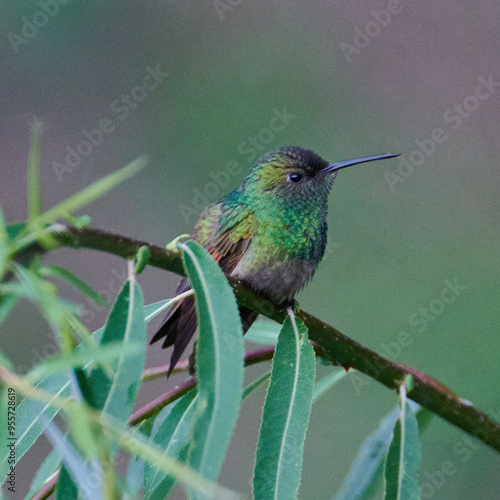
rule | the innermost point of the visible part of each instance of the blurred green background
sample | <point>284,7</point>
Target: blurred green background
<point>397,236</point>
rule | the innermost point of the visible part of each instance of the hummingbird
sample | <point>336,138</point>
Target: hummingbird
<point>269,233</point>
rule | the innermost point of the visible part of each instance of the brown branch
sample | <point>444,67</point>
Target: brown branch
<point>47,489</point>
<point>155,406</point>
<point>160,402</point>
<point>335,346</point>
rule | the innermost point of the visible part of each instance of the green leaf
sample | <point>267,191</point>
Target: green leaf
<point>4,244</point>
<point>48,467</point>
<point>125,324</point>
<point>84,431</point>
<point>7,302</point>
<point>81,388</point>
<point>32,415</point>
<point>56,311</point>
<point>6,362</point>
<point>326,383</point>
<point>134,479</point>
<point>43,292</point>
<point>139,445</point>
<point>87,354</point>
<point>128,323</point>
<point>285,418</point>
<point>263,331</point>
<point>171,435</point>
<point>65,488</point>
<point>74,463</point>
<point>403,459</point>
<point>4,432</point>
<point>256,383</point>
<point>152,310</point>
<point>219,361</point>
<point>92,192</point>
<point>60,272</point>
<point>14,230</point>
<point>171,432</point>
<point>4,237</point>
<point>34,192</point>
<point>367,468</point>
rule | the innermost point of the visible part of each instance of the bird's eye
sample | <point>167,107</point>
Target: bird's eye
<point>295,178</point>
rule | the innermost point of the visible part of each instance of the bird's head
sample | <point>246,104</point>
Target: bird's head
<point>293,172</point>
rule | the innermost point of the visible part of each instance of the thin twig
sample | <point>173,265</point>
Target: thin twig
<point>160,402</point>
<point>47,489</point>
<point>155,406</point>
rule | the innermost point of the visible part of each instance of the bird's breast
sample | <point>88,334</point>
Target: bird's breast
<point>273,273</point>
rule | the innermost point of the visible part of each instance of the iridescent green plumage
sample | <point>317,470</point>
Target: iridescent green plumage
<point>270,233</point>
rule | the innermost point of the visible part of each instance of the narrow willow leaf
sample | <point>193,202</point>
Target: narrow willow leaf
<point>326,383</point>
<point>219,361</point>
<point>285,418</point>
<point>33,415</point>
<point>80,472</point>
<point>57,312</point>
<point>87,354</point>
<point>4,431</point>
<point>65,488</point>
<point>4,243</point>
<point>99,379</point>
<point>48,467</point>
<point>127,377</point>
<point>6,362</point>
<point>152,310</point>
<point>134,479</point>
<point>256,383</point>
<point>60,272</point>
<point>42,291</point>
<point>367,468</point>
<point>263,332</point>
<point>84,431</point>
<point>174,435</point>
<point>171,435</point>
<point>34,191</point>
<point>4,236</point>
<point>139,445</point>
<point>403,459</point>
<point>125,324</point>
<point>87,195</point>
<point>14,230</point>
<point>7,302</point>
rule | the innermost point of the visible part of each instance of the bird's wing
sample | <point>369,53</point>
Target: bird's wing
<point>225,233</point>
<point>227,248</point>
<point>228,251</point>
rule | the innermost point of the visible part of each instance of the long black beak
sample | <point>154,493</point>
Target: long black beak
<point>332,167</point>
